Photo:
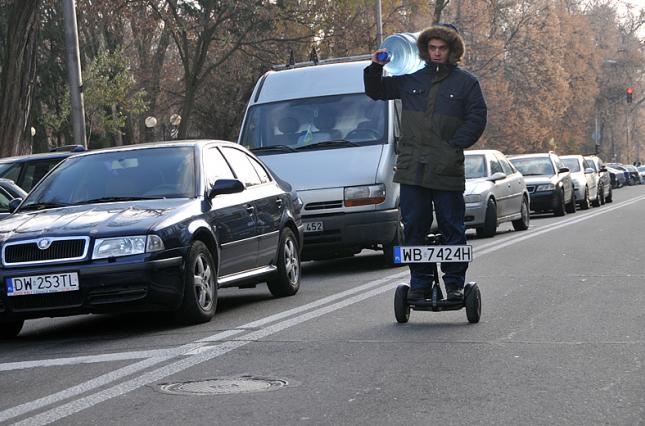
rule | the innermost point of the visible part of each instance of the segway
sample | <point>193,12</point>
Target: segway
<point>435,253</point>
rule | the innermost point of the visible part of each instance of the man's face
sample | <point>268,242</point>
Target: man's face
<point>438,50</point>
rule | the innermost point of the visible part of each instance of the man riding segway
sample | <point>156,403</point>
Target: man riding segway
<point>443,113</point>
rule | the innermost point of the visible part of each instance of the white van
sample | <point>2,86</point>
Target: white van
<point>315,127</point>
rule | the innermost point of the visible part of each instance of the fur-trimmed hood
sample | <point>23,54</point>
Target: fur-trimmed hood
<point>445,33</point>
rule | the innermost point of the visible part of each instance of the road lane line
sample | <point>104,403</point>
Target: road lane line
<point>78,405</point>
<point>188,348</point>
<point>211,352</point>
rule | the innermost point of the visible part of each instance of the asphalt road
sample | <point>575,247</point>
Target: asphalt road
<point>561,341</point>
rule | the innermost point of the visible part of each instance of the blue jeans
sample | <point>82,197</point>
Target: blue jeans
<point>416,212</point>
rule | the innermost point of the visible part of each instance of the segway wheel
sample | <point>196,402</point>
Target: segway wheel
<point>473,302</point>
<point>401,307</point>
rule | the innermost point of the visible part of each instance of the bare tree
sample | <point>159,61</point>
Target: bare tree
<point>18,76</point>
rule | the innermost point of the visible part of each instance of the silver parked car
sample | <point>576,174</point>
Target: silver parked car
<point>603,180</point>
<point>495,193</point>
<point>584,178</point>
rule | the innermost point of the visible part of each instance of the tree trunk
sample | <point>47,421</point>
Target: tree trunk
<point>18,78</point>
<point>439,6</point>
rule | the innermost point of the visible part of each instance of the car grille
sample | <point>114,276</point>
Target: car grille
<point>22,253</point>
<point>324,205</point>
<point>530,188</point>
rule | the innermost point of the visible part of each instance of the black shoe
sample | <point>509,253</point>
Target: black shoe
<point>456,295</point>
<point>415,294</point>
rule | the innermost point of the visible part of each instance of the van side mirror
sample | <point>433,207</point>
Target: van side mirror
<point>225,186</point>
<point>589,171</point>
<point>603,169</point>
<point>13,204</point>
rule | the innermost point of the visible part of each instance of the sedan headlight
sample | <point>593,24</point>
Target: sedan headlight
<point>126,246</point>
<point>364,195</point>
<point>545,187</point>
<point>472,198</point>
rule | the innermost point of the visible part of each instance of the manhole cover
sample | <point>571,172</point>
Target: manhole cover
<point>243,384</point>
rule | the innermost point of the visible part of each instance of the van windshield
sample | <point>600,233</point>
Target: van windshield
<point>338,121</point>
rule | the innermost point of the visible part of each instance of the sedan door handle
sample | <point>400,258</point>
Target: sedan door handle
<point>278,202</point>
<point>250,209</point>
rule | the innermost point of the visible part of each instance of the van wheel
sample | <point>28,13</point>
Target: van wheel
<point>200,286</point>
<point>388,249</point>
<point>286,280</point>
<point>490,221</point>
<point>10,329</point>
<point>522,224</point>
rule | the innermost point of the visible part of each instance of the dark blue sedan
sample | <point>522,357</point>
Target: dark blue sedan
<point>148,227</point>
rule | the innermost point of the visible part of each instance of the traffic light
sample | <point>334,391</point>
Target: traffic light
<point>630,93</point>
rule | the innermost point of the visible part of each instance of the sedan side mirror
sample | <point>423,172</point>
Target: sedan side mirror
<point>603,169</point>
<point>13,204</point>
<point>563,169</point>
<point>497,176</point>
<point>225,186</point>
<point>589,171</point>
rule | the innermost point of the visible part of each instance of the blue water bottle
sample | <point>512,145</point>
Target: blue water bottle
<point>402,52</point>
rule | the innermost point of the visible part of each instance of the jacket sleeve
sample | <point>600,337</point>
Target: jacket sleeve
<point>475,117</point>
<point>378,87</point>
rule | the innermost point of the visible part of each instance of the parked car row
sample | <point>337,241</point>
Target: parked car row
<point>501,188</point>
<point>148,227</point>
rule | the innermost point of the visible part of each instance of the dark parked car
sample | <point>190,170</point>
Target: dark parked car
<point>548,182</point>
<point>627,176</point>
<point>148,227</point>
<point>27,170</point>
<point>8,191</point>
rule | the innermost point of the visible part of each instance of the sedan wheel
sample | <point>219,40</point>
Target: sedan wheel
<point>586,203</point>
<point>560,209</point>
<point>286,280</point>
<point>522,224</point>
<point>200,288</point>
<point>600,197</point>
<point>490,221</point>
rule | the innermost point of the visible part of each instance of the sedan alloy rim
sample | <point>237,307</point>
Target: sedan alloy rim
<point>291,264</point>
<point>203,280</point>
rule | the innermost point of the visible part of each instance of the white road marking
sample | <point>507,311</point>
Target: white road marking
<point>203,354</point>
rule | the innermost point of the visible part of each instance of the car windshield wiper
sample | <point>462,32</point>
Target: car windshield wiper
<point>326,144</point>
<point>113,199</point>
<point>41,206</point>
<point>281,148</point>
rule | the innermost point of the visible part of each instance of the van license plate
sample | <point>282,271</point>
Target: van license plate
<point>433,254</point>
<point>39,284</point>
<point>313,226</point>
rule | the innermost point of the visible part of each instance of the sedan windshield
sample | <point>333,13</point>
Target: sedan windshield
<point>571,163</point>
<point>475,166</point>
<point>534,166</point>
<point>139,174</point>
<point>328,122</point>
